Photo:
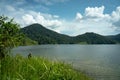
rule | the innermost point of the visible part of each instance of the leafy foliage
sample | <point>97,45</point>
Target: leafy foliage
<point>10,35</point>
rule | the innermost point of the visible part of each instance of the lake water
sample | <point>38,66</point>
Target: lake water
<point>102,62</point>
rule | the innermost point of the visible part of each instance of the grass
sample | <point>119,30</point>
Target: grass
<point>36,68</point>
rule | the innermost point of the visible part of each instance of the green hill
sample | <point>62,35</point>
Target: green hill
<point>93,38</point>
<point>28,41</point>
<point>43,35</point>
<point>115,38</point>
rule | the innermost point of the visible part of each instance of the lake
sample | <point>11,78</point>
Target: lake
<point>102,62</point>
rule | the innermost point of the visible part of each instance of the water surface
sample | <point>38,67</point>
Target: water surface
<point>99,61</point>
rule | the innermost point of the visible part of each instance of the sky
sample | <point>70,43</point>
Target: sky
<point>70,17</point>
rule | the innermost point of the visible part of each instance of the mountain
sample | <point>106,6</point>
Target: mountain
<point>115,38</point>
<point>93,38</point>
<point>27,41</point>
<point>43,35</point>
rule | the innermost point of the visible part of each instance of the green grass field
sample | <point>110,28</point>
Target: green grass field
<point>36,68</point>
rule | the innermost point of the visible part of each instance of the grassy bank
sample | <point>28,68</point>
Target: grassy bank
<point>36,68</point>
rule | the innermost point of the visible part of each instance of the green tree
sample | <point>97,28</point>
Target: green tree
<point>10,35</point>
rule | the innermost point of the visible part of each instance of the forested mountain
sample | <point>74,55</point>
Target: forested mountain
<point>27,41</point>
<point>93,38</point>
<point>115,38</point>
<point>43,35</point>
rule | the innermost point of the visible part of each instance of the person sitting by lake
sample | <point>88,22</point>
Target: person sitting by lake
<point>29,55</point>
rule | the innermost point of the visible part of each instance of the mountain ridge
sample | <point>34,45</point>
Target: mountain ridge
<point>43,35</point>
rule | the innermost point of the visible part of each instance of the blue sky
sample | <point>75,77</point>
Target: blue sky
<point>71,17</point>
<point>70,8</point>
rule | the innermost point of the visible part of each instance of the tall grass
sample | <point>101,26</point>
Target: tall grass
<point>36,68</point>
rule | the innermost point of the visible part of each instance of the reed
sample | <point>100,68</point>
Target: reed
<point>37,68</point>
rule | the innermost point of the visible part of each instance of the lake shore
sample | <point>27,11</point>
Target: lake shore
<point>37,68</point>
<point>99,61</point>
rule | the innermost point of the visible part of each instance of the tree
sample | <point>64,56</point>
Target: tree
<point>10,35</point>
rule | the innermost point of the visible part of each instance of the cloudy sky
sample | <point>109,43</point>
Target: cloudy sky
<point>71,17</point>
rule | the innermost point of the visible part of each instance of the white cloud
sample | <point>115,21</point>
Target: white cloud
<point>116,14</point>
<point>28,19</point>
<point>46,20</point>
<point>115,19</point>
<point>10,8</point>
<point>49,21</point>
<point>94,12</point>
<point>56,16</point>
<point>78,16</point>
<point>93,20</point>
